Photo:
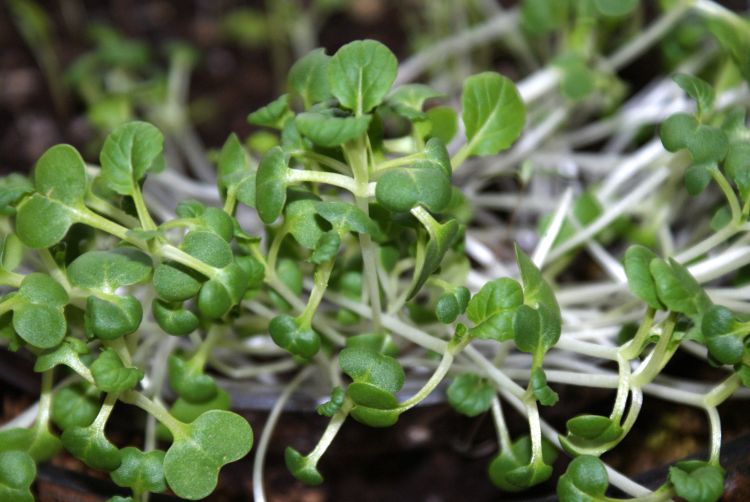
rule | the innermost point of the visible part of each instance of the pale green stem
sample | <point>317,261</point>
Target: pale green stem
<point>398,162</point>
<point>656,359</point>
<point>634,347</point>
<point>11,279</point>
<point>714,423</point>
<point>324,160</point>
<point>503,436</point>
<point>338,180</point>
<point>147,223</point>
<point>320,284</point>
<point>734,204</point>
<point>158,411</point>
<point>105,411</point>
<point>331,430</point>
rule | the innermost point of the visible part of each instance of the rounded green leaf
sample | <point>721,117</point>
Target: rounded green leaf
<point>401,189</point>
<point>287,333</point>
<point>128,153</point>
<point>110,375</point>
<point>208,247</point>
<point>308,77</point>
<point>270,184</point>
<point>109,270</point>
<point>75,406</point>
<point>141,471</point>
<point>360,74</point>
<point>60,174</point>
<point>345,217</point>
<point>91,446</point>
<point>42,326</point>
<point>368,366</point>
<point>17,473</point>
<point>173,318</point>
<point>676,131</point>
<point>114,317</point>
<point>535,330</point>
<point>708,144</point>
<point>329,131</point>
<point>510,469</point>
<point>585,480</point>
<point>374,417</point>
<point>174,282</point>
<point>42,289</point>
<point>737,166</point>
<point>443,123</point>
<point>192,463</point>
<point>493,113</point>
<point>470,395</point>
<point>677,289</point>
<point>539,388</point>
<point>698,89</point>
<point>189,381</point>
<point>66,353</point>
<point>536,290</point>
<point>697,481</point>
<point>302,467</point>
<point>37,208</point>
<point>273,115</point>
<point>333,405</point>
<point>723,335</point>
<point>591,435</point>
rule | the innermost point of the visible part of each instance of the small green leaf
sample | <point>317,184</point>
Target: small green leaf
<point>542,392</point>
<point>492,309</point>
<point>697,481</point>
<point>737,166</point>
<point>109,270</point>
<point>401,189</point>
<point>75,406</point>
<point>493,113</point>
<point>189,381</point>
<point>308,78</point>
<point>345,217</point>
<point>470,395</point>
<point>66,353</point>
<point>641,282</point>
<point>333,405</point>
<point>60,174</point>
<point>302,467</point>
<point>585,480</point>
<point>408,100</point>
<point>708,144</point>
<point>128,154</point>
<point>536,290</point>
<point>141,471</point>
<point>535,330</point>
<point>615,8</point>
<point>42,326</point>
<point>379,342</point>
<point>329,131</point>
<point>208,247</point>
<point>360,74</point>
<point>173,318</point>
<point>12,189</point>
<point>174,282</point>
<point>724,336</point>
<point>287,333</point>
<point>698,89</point>
<point>541,17</point>
<point>193,462</point>
<point>90,445</point>
<point>440,239</point>
<point>270,184</point>
<point>591,435</point>
<point>371,367</point>
<point>273,115</point>
<point>451,304</point>
<point>17,473</point>
<point>677,289</point>
<point>511,470</point>
<point>326,248</point>
<point>41,289</point>
<point>443,123</point>
<point>113,317</point>
<point>57,220</point>
<point>300,219</point>
<point>234,172</point>
<point>676,131</point>
<point>111,375</point>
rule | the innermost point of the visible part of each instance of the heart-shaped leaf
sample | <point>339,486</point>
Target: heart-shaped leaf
<point>708,144</point>
<point>75,406</point>
<point>302,467</point>
<point>677,130</point>
<point>493,307</point>
<point>697,481</point>
<point>360,74</point>
<point>129,152</point>
<point>113,316</point>
<point>511,470</point>
<point>451,304</point>
<point>470,395</point>
<point>193,462</point>
<point>493,113</point>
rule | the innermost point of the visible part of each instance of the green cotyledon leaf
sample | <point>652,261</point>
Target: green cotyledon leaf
<point>308,78</point>
<point>511,471</point>
<point>330,131</point>
<point>360,74</point>
<point>203,447</point>
<point>109,270</point>
<point>586,480</point>
<point>697,481</point>
<point>493,307</point>
<point>129,152</point>
<point>470,395</point>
